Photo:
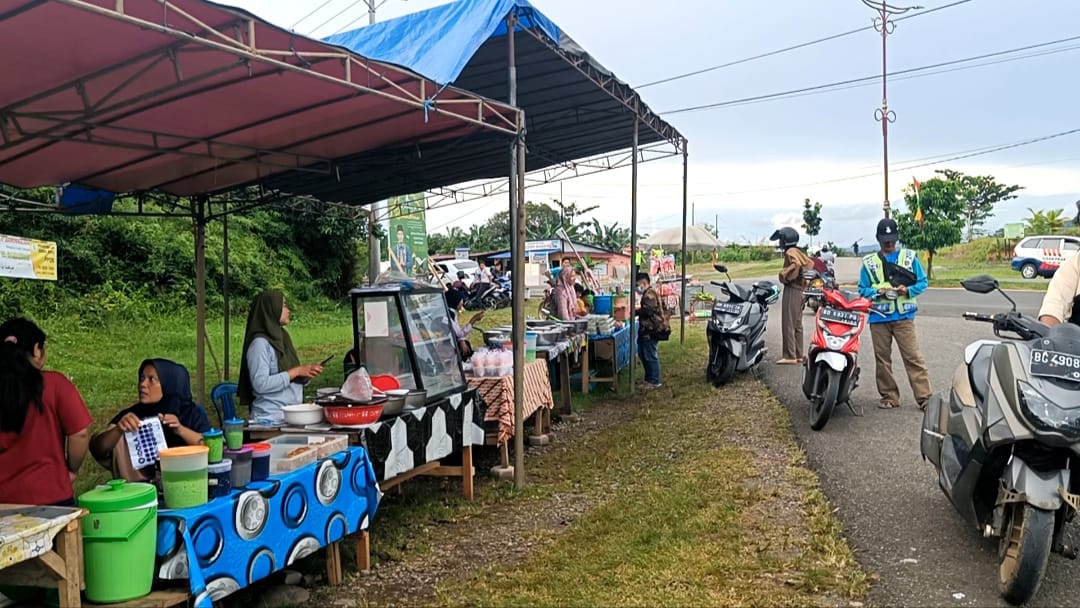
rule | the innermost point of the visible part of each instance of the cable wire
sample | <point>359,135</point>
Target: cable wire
<point>791,48</point>
<point>904,74</point>
<point>305,17</point>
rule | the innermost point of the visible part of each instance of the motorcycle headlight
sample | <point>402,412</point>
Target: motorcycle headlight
<point>1045,416</point>
<point>835,342</point>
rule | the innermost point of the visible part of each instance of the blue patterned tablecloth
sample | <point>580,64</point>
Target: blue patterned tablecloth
<point>233,541</point>
<point>621,337</point>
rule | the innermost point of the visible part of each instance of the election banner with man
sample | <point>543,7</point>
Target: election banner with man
<point>407,238</point>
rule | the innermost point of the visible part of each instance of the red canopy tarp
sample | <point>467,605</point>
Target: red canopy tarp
<point>188,97</point>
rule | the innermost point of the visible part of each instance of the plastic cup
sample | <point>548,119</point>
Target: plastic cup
<point>234,433</point>
<point>260,461</point>
<point>530,346</point>
<point>214,439</point>
<point>184,476</point>
<point>240,475</point>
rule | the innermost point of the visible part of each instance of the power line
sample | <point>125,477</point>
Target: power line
<point>912,164</point>
<point>908,72</point>
<point>305,17</point>
<point>348,8</point>
<point>791,48</point>
<point>358,19</point>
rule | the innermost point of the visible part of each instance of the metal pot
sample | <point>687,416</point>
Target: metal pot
<point>497,336</point>
<point>394,405</point>
<point>415,399</point>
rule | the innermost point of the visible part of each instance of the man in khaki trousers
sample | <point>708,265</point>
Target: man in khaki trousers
<point>893,278</point>
<point>795,261</point>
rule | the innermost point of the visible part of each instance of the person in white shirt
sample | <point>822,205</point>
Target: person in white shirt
<point>828,257</point>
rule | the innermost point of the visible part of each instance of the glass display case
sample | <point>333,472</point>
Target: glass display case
<point>406,333</point>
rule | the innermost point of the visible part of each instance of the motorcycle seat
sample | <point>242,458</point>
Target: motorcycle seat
<point>979,371</point>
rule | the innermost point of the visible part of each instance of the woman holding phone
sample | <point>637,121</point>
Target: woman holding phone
<point>270,372</point>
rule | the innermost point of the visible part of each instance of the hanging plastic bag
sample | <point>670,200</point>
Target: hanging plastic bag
<point>357,386</point>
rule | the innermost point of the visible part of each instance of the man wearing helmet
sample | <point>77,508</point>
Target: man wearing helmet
<point>893,278</point>
<point>795,262</point>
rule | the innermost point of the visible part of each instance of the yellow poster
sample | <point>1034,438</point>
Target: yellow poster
<point>27,259</point>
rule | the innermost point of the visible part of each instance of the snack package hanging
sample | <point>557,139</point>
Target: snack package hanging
<point>357,386</point>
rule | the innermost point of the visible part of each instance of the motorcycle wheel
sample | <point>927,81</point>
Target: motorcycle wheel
<point>1023,551</point>
<point>724,367</point>
<point>822,407</point>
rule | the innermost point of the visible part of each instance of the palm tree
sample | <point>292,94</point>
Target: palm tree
<point>1045,222</point>
<point>1055,220</point>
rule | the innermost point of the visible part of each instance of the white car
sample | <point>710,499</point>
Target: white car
<point>1040,255</point>
<point>450,269</point>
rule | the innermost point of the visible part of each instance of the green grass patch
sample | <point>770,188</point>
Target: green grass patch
<point>950,275</point>
<point>701,499</point>
<point>737,270</point>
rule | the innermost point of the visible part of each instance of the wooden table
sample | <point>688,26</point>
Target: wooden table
<point>42,547</point>
<point>413,443</point>
<point>612,349</point>
<point>562,359</point>
<point>498,394</point>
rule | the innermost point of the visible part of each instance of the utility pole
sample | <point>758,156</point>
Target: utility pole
<point>884,24</point>
<point>693,213</point>
<point>374,243</point>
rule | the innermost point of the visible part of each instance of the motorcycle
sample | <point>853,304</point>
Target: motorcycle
<point>831,371</point>
<point>813,296</point>
<point>489,298</point>
<point>736,330</point>
<point>1004,438</point>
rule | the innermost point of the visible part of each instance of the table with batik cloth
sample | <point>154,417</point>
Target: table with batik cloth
<point>27,553</point>
<point>414,442</point>
<point>498,394</point>
<point>562,358</point>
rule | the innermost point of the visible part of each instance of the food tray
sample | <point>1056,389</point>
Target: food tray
<point>281,462</point>
<point>325,445</point>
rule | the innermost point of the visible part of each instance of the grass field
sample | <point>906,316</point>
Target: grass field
<point>950,275</point>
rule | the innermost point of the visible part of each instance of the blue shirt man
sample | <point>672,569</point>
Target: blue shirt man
<point>895,270</point>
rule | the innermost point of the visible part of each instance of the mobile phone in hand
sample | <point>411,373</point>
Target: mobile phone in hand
<point>326,360</point>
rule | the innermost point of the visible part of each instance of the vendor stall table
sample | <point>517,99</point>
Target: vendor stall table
<point>612,350</point>
<point>231,542</point>
<point>498,394</point>
<point>412,443</point>
<point>562,358</point>
<point>27,553</point>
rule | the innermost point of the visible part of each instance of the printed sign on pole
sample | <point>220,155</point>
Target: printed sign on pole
<point>27,259</point>
<point>407,241</point>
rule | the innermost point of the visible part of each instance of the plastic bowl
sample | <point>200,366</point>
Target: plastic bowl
<point>302,414</point>
<point>353,416</point>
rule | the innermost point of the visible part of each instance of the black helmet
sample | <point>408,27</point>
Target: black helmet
<point>787,236</point>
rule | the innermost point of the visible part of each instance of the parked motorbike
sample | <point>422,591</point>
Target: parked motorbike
<point>1005,437</point>
<point>489,298</point>
<point>831,371</point>
<point>736,330</point>
<point>813,296</point>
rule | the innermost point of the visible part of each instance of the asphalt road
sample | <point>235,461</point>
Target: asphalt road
<point>901,525</point>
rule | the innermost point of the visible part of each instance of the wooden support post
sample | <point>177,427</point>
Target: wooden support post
<point>467,471</point>
<point>585,369</point>
<point>334,575</point>
<point>69,547</point>
<point>363,551</point>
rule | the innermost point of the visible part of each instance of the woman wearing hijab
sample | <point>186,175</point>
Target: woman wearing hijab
<point>43,422</point>
<point>566,300</point>
<point>270,372</point>
<point>165,394</point>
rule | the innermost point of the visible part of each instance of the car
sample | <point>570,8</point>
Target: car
<point>450,269</point>
<point>1041,255</point>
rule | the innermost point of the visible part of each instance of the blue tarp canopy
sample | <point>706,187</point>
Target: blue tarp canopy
<point>506,254</point>
<point>574,107</point>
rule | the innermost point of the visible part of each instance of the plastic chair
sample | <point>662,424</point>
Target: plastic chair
<point>223,396</point>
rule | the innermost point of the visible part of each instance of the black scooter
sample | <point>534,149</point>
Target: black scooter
<point>736,330</point>
<point>1005,437</point>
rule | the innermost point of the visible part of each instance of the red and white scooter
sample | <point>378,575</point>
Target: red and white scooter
<point>831,370</point>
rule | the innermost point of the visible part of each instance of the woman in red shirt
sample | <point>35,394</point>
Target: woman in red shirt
<point>43,422</point>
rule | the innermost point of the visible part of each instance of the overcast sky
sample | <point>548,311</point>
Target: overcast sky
<point>753,164</point>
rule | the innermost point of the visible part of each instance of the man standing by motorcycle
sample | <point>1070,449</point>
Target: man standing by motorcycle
<point>795,262</point>
<point>1059,303</point>
<point>893,278</point>
<point>829,258</point>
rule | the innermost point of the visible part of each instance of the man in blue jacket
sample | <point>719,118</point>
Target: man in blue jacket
<point>895,271</point>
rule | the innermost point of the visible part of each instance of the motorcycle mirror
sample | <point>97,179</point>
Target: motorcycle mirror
<point>981,284</point>
<point>720,268</point>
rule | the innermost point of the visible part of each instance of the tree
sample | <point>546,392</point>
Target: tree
<point>811,217</point>
<point>1044,222</point>
<point>944,218</point>
<point>980,193</point>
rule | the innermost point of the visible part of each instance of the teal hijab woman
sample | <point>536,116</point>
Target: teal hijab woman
<point>270,372</point>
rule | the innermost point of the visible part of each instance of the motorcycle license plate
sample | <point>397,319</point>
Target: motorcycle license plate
<point>1051,364</point>
<point>845,317</point>
<point>727,308</point>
